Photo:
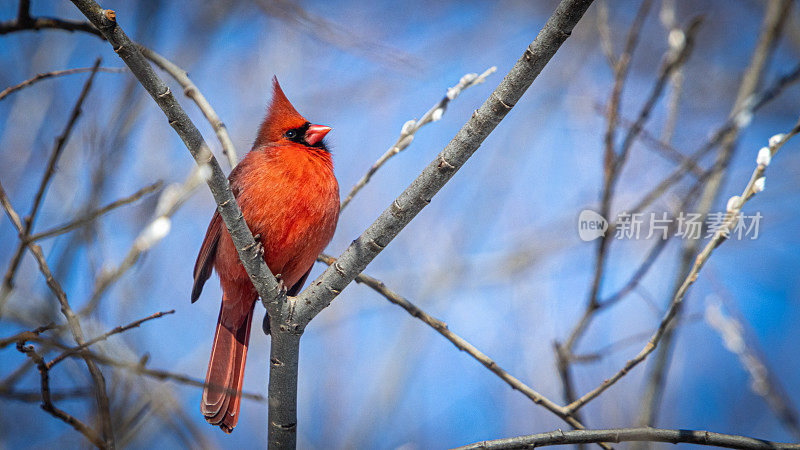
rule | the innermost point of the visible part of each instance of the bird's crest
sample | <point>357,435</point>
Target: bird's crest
<point>281,117</point>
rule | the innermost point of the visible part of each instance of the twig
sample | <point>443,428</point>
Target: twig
<point>735,205</point>
<point>138,368</point>
<point>656,249</point>
<point>620,69</point>
<point>411,127</point>
<point>105,336</point>
<point>637,338</point>
<point>173,197</point>
<point>661,147</point>
<point>47,401</point>
<point>72,321</point>
<point>92,215</point>
<point>675,38</point>
<point>32,396</point>
<point>58,147</point>
<point>39,23</point>
<point>559,437</point>
<point>739,118</point>
<point>57,73</point>
<point>604,30</point>
<point>191,91</point>
<point>25,335</point>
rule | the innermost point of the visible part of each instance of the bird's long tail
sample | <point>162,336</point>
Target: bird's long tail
<point>222,393</point>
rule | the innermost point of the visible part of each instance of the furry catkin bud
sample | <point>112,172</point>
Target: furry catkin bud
<point>774,140</point>
<point>758,186</point>
<point>732,202</point>
<point>764,156</point>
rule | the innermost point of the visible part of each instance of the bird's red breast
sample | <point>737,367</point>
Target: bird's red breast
<point>291,199</point>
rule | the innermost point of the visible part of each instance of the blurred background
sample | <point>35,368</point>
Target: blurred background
<point>496,255</point>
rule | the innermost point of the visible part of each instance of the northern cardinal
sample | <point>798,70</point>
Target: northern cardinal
<point>289,197</point>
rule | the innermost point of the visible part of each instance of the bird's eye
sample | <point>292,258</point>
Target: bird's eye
<point>291,134</point>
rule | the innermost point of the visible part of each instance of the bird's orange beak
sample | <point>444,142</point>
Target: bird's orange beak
<point>315,133</point>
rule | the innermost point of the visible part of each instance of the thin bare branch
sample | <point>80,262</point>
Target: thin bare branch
<point>105,336</point>
<point>72,321</point>
<point>93,215</point>
<point>411,127</point>
<point>559,437</point>
<point>47,400</point>
<point>460,343</point>
<point>173,197</point>
<point>191,91</point>
<point>741,114</point>
<point>56,73</point>
<point>41,23</point>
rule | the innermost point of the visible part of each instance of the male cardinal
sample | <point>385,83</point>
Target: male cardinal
<point>290,200</point>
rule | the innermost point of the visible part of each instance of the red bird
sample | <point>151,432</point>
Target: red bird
<point>289,196</point>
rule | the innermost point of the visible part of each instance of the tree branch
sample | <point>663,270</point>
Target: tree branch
<point>191,91</point>
<point>105,336</point>
<point>47,401</point>
<point>56,73</point>
<point>559,437</point>
<point>411,127</point>
<point>93,215</point>
<point>72,321</point>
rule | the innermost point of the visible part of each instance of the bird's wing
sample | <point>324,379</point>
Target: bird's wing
<point>208,252</point>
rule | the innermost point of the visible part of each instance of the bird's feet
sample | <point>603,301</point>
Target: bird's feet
<point>282,290</point>
<point>259,245</point>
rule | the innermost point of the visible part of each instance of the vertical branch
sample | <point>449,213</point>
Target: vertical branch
<point>282,390</point>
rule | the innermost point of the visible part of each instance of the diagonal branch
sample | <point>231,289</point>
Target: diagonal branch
<point>93,215</point>
<point>771,29</point>
<point>105,336</point>
<point>419,194</point>
<point>191,91</point>
<point>47,400</point>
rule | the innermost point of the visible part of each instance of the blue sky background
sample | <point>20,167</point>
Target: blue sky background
<point>496,255</point>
